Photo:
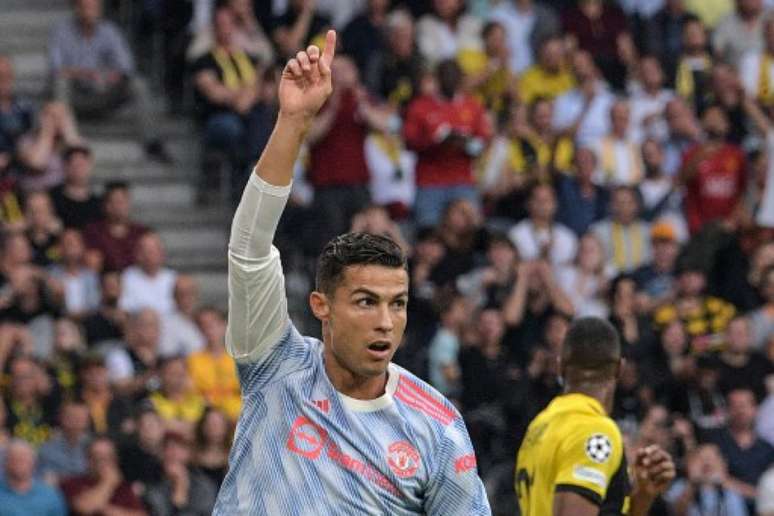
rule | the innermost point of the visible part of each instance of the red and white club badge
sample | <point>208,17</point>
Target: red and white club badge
<point>403,459</point>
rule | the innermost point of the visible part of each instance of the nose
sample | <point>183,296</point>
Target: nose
<point>385,322</point>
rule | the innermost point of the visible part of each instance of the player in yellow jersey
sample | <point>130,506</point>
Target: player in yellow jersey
<point>572,461</point>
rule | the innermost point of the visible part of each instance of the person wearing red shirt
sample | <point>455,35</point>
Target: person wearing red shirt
<point>447,129</point>
<point>713,173</point>
<point>337,166</point>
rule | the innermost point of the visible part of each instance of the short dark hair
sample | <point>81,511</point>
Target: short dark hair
<point>592,348</point>
<point>76,149</point>
<point>355,249</point>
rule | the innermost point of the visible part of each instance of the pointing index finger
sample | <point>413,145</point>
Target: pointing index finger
<point>330,48</point>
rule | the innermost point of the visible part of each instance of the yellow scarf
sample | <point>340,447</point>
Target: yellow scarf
<point>620,253</point>
<point>390,145</point>
<point>765,93</point>
<point>608,161</point>
<point>684,83</point>
<point>237,70</point>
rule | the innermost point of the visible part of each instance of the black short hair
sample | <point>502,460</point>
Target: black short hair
<point>592,348</point>
<point>76,149</point>
<point>355,249</point>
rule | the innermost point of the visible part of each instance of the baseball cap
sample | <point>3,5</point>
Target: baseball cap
<point>663,231</point>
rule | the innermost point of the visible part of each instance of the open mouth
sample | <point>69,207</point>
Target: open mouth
<point>379,346</point>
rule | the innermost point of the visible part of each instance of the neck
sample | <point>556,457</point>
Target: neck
<point>350,384</point>
<point>735,358</point>
<point>541,223</point>
<point>72,438</point>
<point>151,271</point>
<point>743,435</point>
<point>20,485</point>
<point>603,393</point>
<point>215,348</point>
<point>76,191</point>
<point>86,27</point>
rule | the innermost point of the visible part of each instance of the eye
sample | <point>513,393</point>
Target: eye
<point>399,303</point>
<point>365,302</point>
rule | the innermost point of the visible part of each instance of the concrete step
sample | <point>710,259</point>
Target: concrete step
<point>195,239</point>
<point>214,262</point>
<point>33,5</point>
<point>189,217</point>
<point>121,124</point>
<point>213,287</point>
<point>163,195</point>
<point>118,154</point>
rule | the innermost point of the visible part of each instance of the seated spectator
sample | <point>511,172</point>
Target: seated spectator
<point>490,284</point>
<point>662,35</point>
<point>584,281</point>
<point>182,488</point>
<point>226,81</point>
<point>148,283</point>
<point>115,237</point>
<point>762,319</point>
<point>16,115</point>
<point>701,401</point>
<point>376,221</point>
<point>625,237</point>
<point>706,487</point>
<point>44,229</point>
<point>747,455</point>
<point>133,370</point>
<point>448,31</point>
<point>527,24</point>
<point>446,130</point>
<point>618,154</point>
<point>601,29</point>
<point>581,201</point>
<point>670,366</point>
<point>705,317</point>
<point>297,27</point>
<point>392,173</point>
<point>64,357</point>
<point>93,71</point>
<point>661,198</point>
<point>656,281</point>
<point>214,434</point>
<point>740,366</point>
<point>550,77</point>
<point>64,453</point>
<point>81,285</point>
<point>140,452</point>
<point>583,113</point>
<point>212,371</point>
<point>102,489</point>
<point>75,202</point>
<point>740,32</point>
<point>248,35</point>
<point>20,493</point>
<point>444,349</point>
<point>755,68</point>
<point>539,237</point>
<point>694,65</point>
<point>107,322</point>
<point>109,414</point>
<point>32,406</point>
<point>176,401</point>
<point>365,36</point>
<point>40,150</point>
<point>684,133</point>
<point>487,71</point>
<point>648,101</point>
<point>180,334</point>
<point>635,329</point>
<point>462,234</point>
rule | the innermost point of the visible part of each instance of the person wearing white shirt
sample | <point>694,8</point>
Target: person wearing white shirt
<point>648,102</point>
<point>618,155</point>
<point>585,110</point>
<point>539,237</point>
<point>625,237</point>
<point>756,69</point>
<point>740,32</point>
<point>526,25</point>
<point>448,31</point>
<point>180,335</point>
<point>392,170</point>
<point>148,284</point>
<point>81,284</point>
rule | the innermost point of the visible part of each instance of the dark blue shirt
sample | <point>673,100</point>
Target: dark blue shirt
<point>576,211</point>
<point>14,122</point>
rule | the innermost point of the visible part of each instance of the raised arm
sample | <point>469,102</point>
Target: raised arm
<point>257,303</point>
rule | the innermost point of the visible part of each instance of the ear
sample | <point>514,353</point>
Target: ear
<point>320,304</point>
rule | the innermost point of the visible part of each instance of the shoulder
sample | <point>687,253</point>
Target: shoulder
<point>419,396</point>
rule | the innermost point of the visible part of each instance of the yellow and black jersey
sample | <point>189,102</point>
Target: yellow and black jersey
<point>572,445</point>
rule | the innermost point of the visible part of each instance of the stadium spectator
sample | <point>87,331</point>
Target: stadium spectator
<point>740,366</point>
<point>585,281</point>
<point>487,72</point>
<point>448,32</point>
<point>661,198</point>
<point>694,65</point>
<point>180,334</point>
<point>80,283</point>
<point>63,356</point>
<point>444,348</point>
<point>527,24</point>
<point>182,489</point>
<point>624,235</point>
<point>133,369</point>
<point>662,35</point>
<point>581,202</point>
<point>140,452</point>
<point>684,132</point>
<point>740,32</point>
<point>213,372</point>
<point>16,114</point>
<point>392,173</point>
<point>40,150</point>
<point>297,27</point>
<point>102,489</point>
<point>636,334</point>
<point>149,283</point>
<point>365,36</point>
<point>648,101</point>
<point>115,236</point>
<point>670,366</point>
<point>762,319</point>
<point>109,414</point>
<point>43,229</point>
<point>765,500</point>
<point>656,278</point>
<point>75,202</point>
<point>93,71</point>
<point>490,284</point>
<point>30,401</point>
<point>583,113</point>
<point>447,130</point>
<point>107,321</point>
<point>176,401</point>
<point>214,433</point>
<point>550,76</point>
<point>618,153</point>
<point>20,493</point>
<point>64,453</point>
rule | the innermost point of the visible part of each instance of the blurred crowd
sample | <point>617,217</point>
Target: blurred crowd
<point>538,161</point>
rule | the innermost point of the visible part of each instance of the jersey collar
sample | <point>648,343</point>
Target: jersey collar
<point>383,401</point>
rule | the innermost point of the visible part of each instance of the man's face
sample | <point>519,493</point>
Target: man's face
<point>738,336</point>
<point>102,454</point>
<point>741,408</point>
<point>150,252</point>
<point>694,36</point>
<point>624,206</point>
<point>366,318</point>
<point>174,376</point>
<point>445,9</point>
<point>542,113</point>
<point>19,462</point>
<point>212,326</point>
<point>78,169</point>
<point>88,11</point>
<point>6,77</point>
<point>146,329</point>
<point>75,418</point>
<point>72,246</point>
<point>619,117</point>
<point>542,203</point>
<point>117,205</point>
<point>552,54</point>
<point>665,252</point>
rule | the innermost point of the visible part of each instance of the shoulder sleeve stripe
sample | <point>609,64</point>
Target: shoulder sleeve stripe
<point>418,392</point>
<point>588,494</point>
<point>416,404</point>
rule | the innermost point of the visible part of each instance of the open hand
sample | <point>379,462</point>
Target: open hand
<point>306,80</point>
<point>654,470</point>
